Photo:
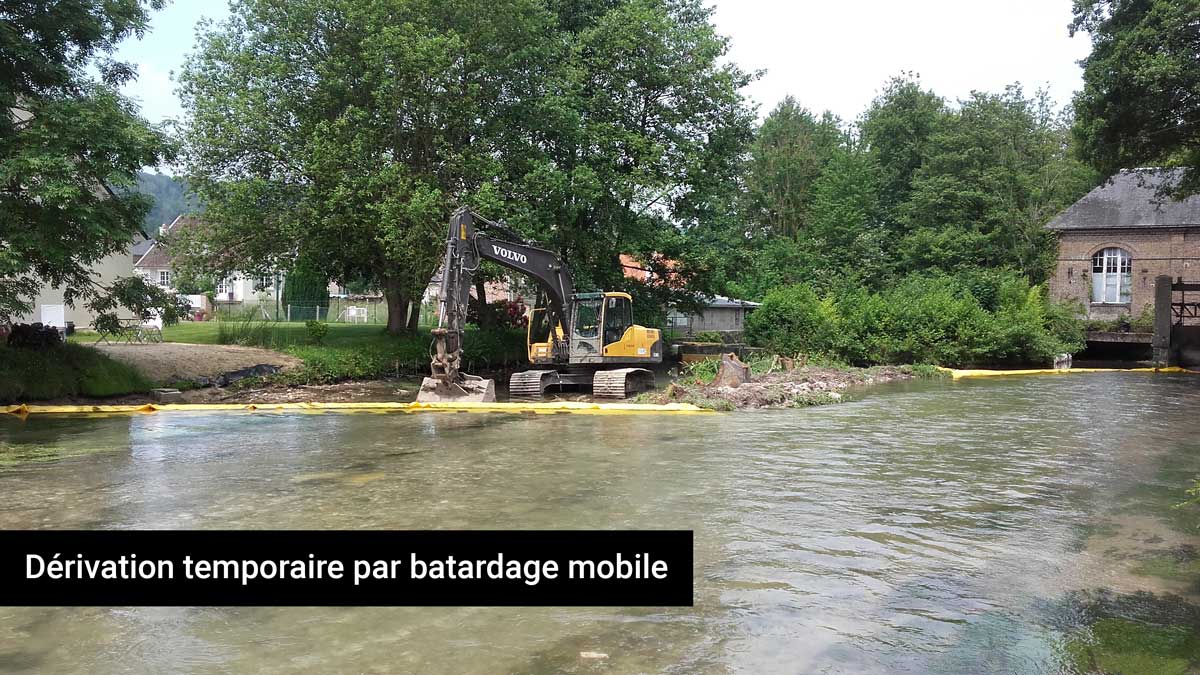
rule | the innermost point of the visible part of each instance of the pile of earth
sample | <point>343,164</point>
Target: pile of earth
<point>803,386</point>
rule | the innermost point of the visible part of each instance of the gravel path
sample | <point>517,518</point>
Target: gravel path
<point>168,361</point>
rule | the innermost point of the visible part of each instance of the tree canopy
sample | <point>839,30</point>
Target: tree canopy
<point>1140,102</point>
<point>584,126</point>
<point>70,150</point>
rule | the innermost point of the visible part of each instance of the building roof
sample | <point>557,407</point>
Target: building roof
<point>156,255</point>
<point>141,244</point>
<point>1130,199</point>
<point>722,301</point>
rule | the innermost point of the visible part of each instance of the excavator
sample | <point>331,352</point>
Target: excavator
<point>576,340</point>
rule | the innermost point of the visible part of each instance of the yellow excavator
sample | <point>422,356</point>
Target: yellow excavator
<point>583,340</point>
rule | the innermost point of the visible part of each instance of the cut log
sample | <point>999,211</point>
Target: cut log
<point>732,372</point>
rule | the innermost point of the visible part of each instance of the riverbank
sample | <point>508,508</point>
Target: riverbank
<point>251,362</point>
<point>66,371</point>
<point>774,385</point>
<point>351,351</point>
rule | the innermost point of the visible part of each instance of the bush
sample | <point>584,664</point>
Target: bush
<point>793,320</point>
<point>980,317</point>
<point>317,330</point>
<point>506,314</point>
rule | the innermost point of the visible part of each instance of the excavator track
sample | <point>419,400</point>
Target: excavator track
<point>531,383</point>
<point>621,382</point>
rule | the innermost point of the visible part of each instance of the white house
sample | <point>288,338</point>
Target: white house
<point>235,290</point>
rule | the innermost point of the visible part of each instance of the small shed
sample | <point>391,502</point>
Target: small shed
<point>719,314</point>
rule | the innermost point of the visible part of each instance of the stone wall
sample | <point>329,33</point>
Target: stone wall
<point>1174,252</point>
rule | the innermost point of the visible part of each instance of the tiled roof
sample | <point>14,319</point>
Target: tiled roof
<point>157,255</point>
<point>1130,200</point>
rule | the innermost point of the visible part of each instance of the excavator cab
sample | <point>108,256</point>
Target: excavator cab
<point>602,331</point>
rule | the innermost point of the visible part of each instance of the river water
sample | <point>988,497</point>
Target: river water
<point>931,527</point>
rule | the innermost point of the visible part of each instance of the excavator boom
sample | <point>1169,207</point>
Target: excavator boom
<point>466,247</point>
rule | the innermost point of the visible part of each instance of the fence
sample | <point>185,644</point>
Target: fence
<point>340,310</point>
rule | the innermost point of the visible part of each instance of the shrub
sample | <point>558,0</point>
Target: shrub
<point>1144,323</point>
<point>921,319</point>
<point>316,330</point>
<point>507,314</point>
<point>793,320</point>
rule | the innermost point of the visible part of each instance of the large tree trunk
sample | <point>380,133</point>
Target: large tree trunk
<point>397,303</point>
<point>485,316</point>
<point>414,315</point>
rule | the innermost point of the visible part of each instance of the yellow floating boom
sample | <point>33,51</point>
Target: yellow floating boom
<point>549,408</point>
<point>959,374</point>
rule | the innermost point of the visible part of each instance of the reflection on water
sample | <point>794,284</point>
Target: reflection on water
<point>924,528</point>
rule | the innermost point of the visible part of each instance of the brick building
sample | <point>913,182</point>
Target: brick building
<point>1114,241</point>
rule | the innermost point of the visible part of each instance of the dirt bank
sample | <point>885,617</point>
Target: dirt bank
<point>167,362</point>
<point>341,392</point>
<point>808,385</point>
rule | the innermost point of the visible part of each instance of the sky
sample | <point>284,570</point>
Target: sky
<point>828,55</point>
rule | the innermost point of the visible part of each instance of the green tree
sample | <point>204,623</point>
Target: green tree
<point>366,122</point>
<point>896,129</point>
<point>70,150</point>
<point>789,152</point>
<point>846,223</point>
<point>994,173</point>
<point>305,290</point>
<point>1140,102</point>
<point>644,128</point>
<point>593,129</point>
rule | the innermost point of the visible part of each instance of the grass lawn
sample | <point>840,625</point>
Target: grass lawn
<point>283,332</point>
<point>351,351</point>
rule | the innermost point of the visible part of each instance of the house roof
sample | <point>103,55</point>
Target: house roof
<point>141,244</point>
<point>722,301</point>
<point>157,255</point>
<point>1130,199</point>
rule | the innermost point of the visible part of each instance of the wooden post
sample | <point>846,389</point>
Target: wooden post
<point>1161,343</point>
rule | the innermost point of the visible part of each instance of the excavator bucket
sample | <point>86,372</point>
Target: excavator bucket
<point>469,389</point>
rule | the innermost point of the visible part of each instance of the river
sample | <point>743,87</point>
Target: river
<point>927,527</point>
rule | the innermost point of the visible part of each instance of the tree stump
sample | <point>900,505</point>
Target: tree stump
<point>732,372</point>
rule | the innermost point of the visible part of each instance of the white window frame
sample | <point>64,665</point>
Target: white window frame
<point>1112,276</point>
<point>225,286</point>
<point>164,278</point>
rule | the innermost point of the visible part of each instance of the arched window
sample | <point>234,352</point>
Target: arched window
<point>1111,274</point>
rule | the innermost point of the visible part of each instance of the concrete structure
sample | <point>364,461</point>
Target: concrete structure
<point>1118,238</point>
<point>719,314</point>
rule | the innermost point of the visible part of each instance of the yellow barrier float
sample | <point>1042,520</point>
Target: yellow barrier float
<point>549,408</point>
<point>959,374</point>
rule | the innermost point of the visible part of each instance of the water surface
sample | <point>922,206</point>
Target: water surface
<point>930,527</point>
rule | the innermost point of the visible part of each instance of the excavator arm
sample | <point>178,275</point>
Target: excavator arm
<point>471,239</point>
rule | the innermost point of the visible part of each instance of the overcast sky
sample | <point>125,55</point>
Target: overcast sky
<point>829,55</point>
